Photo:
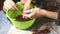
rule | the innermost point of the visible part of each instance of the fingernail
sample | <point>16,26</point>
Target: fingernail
<point>16,8</point>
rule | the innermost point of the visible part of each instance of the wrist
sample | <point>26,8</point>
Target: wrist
<point>42,12</point>
<point>23,2</point>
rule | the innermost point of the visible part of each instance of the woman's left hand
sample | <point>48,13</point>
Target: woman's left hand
<point>32,13</point>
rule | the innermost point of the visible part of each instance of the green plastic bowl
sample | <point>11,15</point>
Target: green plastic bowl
<point>19,24</point>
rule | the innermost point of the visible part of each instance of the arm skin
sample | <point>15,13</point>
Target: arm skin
<point>53,15</point>
<point>27,5</point>
<point>50,14</point>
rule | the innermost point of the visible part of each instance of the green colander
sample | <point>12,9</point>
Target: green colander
<point>19,24</point>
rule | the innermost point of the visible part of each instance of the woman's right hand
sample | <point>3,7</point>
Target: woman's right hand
<point>9,5</point>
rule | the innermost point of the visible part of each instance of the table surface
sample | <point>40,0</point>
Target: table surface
<point>4,23</point>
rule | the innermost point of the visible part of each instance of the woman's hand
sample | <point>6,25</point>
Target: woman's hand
<point>33,13</point>
<point>9,5</point>
<point>23,1</point>
<point>37,12</point>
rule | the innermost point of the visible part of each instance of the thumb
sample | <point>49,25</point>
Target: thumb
<point>27,12</point>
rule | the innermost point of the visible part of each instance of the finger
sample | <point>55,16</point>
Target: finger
<point>23,16</point>
<point>6,8</point>
<point>32,15</point>
<point>10,6</point>
<point>26,16</point>
<point>7,5</point>
<point>27,12</point>
<point>14,5</point>
<point>29,15</point>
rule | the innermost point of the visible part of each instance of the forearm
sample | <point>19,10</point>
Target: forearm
<point>50,14</point>
<point>27,5</point>
<point>46,13</point>
<point>23,1</point>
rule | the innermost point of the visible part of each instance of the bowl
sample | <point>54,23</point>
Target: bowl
<point>19,24</point>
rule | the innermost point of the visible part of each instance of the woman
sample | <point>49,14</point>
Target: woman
<point>46,8</point>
